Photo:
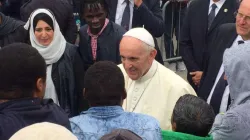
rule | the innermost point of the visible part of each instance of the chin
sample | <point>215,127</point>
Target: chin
<point>133,77</point>
<point>45,44</point>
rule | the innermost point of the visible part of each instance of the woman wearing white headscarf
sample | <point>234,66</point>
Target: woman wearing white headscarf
<point>64,67</point>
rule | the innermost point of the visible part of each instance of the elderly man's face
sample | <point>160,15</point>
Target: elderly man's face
<point>136,59</point>
<point>243,20</point>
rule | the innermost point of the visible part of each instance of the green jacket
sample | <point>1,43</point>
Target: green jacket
<point>170,135</point>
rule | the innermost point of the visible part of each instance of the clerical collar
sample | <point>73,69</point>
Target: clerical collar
<point>151,72</point>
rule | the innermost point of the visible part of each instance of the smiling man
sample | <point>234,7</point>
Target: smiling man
<point>100,38</point>
<point>152,89</point>
<point>214,88</point>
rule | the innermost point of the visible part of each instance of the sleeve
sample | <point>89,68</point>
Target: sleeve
<point>225,126</point>
<point>71,31</point>
<point>76,130</point>
<point>151,18</point>
<point>186,44</point>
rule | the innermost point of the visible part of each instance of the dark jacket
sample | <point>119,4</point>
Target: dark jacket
<point>62,10</point>
<point>12,8</point>
<point>68,75</point>
<point>224,38</point>
<point>148,15</point>
<point>195,35</point>
<point>17,114</point>
<point>107,45</point>
<point>11,31</point>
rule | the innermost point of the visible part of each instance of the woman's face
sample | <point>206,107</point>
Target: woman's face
<point>44,33</point>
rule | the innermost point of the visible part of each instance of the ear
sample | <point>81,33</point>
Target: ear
<point>153,54</point>
<point>173,124</point>
<point>40,88</point>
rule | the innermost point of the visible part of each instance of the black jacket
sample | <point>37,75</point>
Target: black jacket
<point>17,114</point>
<point>224,38</point>
<point>68,75</point>
<point>107,45</point>
<point>195,36</point>
<point>149,15</point>
<point>62,10</point>
<point>11,31</point>
<point>12,7</point>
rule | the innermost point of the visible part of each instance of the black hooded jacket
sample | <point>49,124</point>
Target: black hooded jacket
<point>17,114</point>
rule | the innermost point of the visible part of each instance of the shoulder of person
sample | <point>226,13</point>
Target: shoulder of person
<point>174,81</point>
<point>195,3</point>
<point>227,27</point>
<point>147,122</point>
<point>83,30</point>
<point>49,103</point>
<point>226,125</point>
<point>117,28</point>
<point>70,50</point>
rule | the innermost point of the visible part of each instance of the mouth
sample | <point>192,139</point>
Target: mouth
<point>132,71</point>
<point>44,41</point>
<point>95,26</point>
<point>242,28</point>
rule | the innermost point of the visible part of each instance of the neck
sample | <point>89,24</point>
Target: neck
<point>245,38</point>
<point>95,31</point>
<point>216,0</point>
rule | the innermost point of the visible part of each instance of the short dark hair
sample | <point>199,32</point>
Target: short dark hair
<point>193,115</point>
<point>20,67</point>
<point>104,84</point>
<point>93,4</point>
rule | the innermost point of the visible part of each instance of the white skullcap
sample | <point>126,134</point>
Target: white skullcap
<point>141,34</point>
<point>43,131</point>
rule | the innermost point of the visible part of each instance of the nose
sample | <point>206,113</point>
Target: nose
<point>95,20</point>
<point>242,20</point>
<point>127,64</point>
<point>44,34</point>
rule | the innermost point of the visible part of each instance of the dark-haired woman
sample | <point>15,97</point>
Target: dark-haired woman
<point>65,70</point>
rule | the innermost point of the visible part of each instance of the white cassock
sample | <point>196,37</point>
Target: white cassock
<point>156,93</point>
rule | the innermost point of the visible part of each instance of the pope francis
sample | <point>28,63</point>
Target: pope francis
<point>152,89</point>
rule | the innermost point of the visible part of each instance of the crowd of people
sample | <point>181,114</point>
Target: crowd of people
<point>108,80</point>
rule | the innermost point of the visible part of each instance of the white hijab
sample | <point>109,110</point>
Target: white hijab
<point>51,53</point>
<point>56,48</point>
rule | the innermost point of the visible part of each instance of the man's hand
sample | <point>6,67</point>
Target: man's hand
<point>196,77</point>
<point>138,3</point>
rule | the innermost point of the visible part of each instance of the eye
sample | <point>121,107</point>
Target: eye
<point>48,29</point>
<point>89,17</point>
<point>100,15</point>
<point>240,15</point>
<point>38,29</point>
<point>133,59</point>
